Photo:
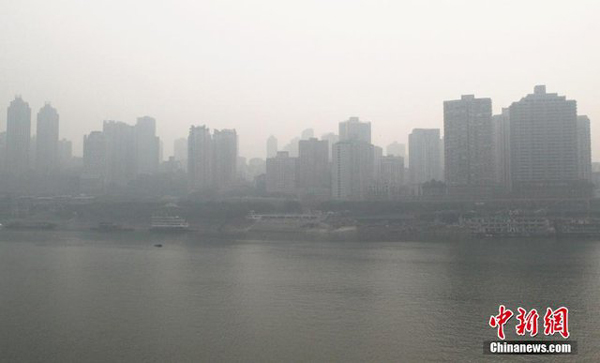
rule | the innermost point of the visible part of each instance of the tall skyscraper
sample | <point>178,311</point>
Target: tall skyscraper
<point>314,172</point>
<point>354,129</point>
<point>200,158</point>
<point>18,137</point>
<point>120,144</point>
<point>272,147</point>
<point>468,145</point>
<point>584,148</point>
<point>424,154</point>
<point>352,170</point>
<point>543,138</point>
<point>282,174</point>
<point>225,158</point>
<point>94,162</point>
<point>501,131</point>
<point>147,146</point>
<point>46,159</point>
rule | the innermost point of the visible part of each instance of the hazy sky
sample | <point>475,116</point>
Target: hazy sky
<point>278,67</point>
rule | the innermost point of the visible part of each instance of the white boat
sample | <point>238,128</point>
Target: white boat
<point>169,224</point>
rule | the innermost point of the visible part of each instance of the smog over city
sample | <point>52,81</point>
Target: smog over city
<point>299,180</point>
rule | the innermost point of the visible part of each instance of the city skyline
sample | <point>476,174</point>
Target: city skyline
<point>317,181</point>
<point>539,145</point>
<point>270,69</point>
<point>402,139</point>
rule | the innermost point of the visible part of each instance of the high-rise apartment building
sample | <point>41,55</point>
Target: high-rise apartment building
<point>332,139</point>
<point>225,158</point>
<point>18,137</point>
<point>425,162</point>
<point>390,179</point>
<point>468,146</point>
<point>119,139</point>
<point>501,131</point>
<point>352,170</point>
<point>584,148</point>
<point>314,172</point>
<point>396,149</point>
<point>200,158</point>
<point>147,146</point>
<point>354,129</point>
<point>2,152</point>
<point>281,174</point>
<point>46,159</point>
<point>543,143</point>
<point>272,147</point>
<point>94,162</point>
<point>212,159</point>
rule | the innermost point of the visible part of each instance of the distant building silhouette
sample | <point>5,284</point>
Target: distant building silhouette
<point>389,184</point>
<point>225,158</point>
<point>354,129</point>
<point>468,146</point>
<point>94,162</point>
<point>281,174</point>
<point>331,138</point>
<point>120,144</point>
<point>377,157</point>
<point>212,159</point>
<point>355,161</point>
<point>2,152</point>
<point>242,169</point>
<point>543,137</point>
<point>272,147</point>
<point>396,149</point>
<point>200,158</point>
<point>314,171</point>
<point>352,170</point>
<point>65,153</point>
<point>425,157</point>
<point>18,137</point>
<point>584,148</point>
<point>292,147</point>
<point>256,167</point>
<point>46,159</point>
<point>180,152</point>
<point>147,146</point>
<point>501,131</point>
<point>307,134</point>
